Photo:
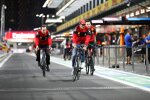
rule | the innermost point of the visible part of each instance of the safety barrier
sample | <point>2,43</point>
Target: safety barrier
<point>114,56</point>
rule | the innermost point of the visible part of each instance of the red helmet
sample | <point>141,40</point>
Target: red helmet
<point>82,21</point>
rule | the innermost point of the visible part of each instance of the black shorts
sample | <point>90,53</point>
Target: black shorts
<point>129,51</point>
<point>143,51</point>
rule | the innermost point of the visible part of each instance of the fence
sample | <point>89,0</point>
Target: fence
<point>114,56</point>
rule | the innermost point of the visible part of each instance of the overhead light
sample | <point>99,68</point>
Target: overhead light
<point>47,16</point>
<point>43,16</point>
<point>53,16</point>
<point>97,21</point>
<point>47,2</point>
<point>4,6</point>
<point>97,26</point>
<point>37,15</point>
<point>128,4</point>
<point>127,16</point>
<point>64,7</point>
<point>53,21</point>
<point>61,17</point>
<point>148,9</point>
<point>53,36</point>
<point>131,14</point>
<point>35,29</point>
<point>112,19</point>
<point>40,15</point>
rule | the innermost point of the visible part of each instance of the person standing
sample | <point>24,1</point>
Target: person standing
<point>128,42</point>
<point>148,45</point>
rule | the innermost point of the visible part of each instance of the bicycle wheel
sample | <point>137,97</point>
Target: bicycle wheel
<point>87,66</point>
<point>92,66</point>
<point>78,73</point>
<point>74,74</point>
<point>44,66</point>
<point>78,67</point>
<point>43,70</point>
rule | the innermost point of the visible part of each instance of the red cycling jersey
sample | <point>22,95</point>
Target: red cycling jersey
<point>43,39</point>
<point>81,36</point>
<point>93,34</point>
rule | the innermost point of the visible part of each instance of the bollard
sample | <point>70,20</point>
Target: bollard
<point>98,54</point>
<point>147,61</point>
<point>117,65</point>
<point>103,55</point>
<point>115,51</point>
<point>133,59</point>
<point>124,57</point>
<point>109,56</point>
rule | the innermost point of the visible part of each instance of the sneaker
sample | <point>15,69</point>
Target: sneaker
<point>48,63</point>
<point>93,69</point>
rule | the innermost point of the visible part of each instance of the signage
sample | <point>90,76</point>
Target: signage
<point>112,19</point>
<point>22,35</point>
<point>15,36</point>
<point>138,19</point>
<point>97,21</point>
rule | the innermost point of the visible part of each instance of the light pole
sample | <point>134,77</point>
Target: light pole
<point>2,21</point>
<point>42,16</point>
<point>43,19</point>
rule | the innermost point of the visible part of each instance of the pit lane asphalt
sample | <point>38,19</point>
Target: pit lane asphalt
<point>21,79</point>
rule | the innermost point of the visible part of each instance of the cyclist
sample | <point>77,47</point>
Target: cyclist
<point>67,48</point>
<point>92,41</point>
<point>80,36</point>
<point>43,40</point>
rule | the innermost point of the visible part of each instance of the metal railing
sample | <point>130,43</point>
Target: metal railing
<point>114,56</point>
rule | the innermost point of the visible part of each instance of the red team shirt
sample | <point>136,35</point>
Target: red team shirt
<point>81,36</point>
<point>43,39</point>
<point>93,34</point>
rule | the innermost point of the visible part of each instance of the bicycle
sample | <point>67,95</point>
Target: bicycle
<point>77,68</point>
<point>90,60</point>
<point>43,63</point>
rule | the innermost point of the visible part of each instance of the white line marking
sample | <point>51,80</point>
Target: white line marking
<point>61,89</point>
<point>2,63</point>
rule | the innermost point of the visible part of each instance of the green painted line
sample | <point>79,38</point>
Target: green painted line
<point>126,77</point>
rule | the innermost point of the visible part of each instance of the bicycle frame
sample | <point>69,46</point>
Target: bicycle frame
<point>90,62</point>
<point>77,69</point>
<point>43,61</point>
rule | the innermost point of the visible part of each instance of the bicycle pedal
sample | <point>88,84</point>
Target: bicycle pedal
<point>81,68</point>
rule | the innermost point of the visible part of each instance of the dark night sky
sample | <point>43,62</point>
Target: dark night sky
<point>21,14</point>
